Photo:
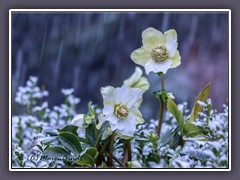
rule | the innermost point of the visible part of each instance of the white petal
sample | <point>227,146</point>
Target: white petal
<point>107,94</point>
<point>78,120</point>
<point>120,125</point>
<point>130,127</point>
<point>101,121</point>
<point>140,56</point>
<point>108,109</point>
<point>136,115</point>
<point>127,96</point>
<point>134,78</point>
<point>171,33</point>
<point>158,66</point>
<point>171,46</point>
<point>111,118</point>
<point>152,37</point>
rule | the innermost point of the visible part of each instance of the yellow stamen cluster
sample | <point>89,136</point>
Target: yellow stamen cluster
<point>121,111</point>
<point>159,53</point>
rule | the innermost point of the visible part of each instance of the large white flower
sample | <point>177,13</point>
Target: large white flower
<point>121,108</point>
<point>159,51</point>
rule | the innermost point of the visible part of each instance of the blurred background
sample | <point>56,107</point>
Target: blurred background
<point>87,51</point>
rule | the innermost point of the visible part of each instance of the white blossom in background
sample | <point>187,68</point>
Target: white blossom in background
<point>120,108</point>
<point>29,94</point>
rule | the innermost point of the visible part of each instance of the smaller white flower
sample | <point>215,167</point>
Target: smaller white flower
<point>137,81</point>
<point>121,108</point>
<point>78,121</point>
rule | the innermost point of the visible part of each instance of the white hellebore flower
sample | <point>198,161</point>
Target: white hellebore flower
<point>159,51</point>
<point>137,81</point>
<point>121,108</point>
<point>78,120</point>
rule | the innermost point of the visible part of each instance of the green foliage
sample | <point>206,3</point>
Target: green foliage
<point>88,157</point>
<point>91,134</point>
<point>55,152</point>
<point>172,108</point>
<point>168,136</point>
<point>71,142</point>
<point>69,128</point>
<point>202,96</point>
<point>192,130</point>
<point>161,96</point>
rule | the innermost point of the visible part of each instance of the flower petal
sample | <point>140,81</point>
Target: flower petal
<point>130,127</point>
<point>171,33</point>
<point>107,94</point>
<point>134,77</point>
<point>176,60</point>
<point>108,109</point>
<point>78,120</point>
<point>137,81</point>
<point>111,118</point>
<point>158,66</point>
<point>136,115</point>
<point>127,96</point>
<point>140,56</point>
<point>152,37</point>
<point>171,45</point>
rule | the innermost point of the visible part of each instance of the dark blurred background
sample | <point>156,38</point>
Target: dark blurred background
<point>86,51</point>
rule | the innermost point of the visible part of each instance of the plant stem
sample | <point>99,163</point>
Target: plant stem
<point>110,158</point>
<point>127,156</point>
<point>161,109</point>
<point>119,162</point>
<point>101,151</point>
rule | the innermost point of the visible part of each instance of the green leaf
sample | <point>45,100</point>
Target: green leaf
<point>202,96</point>
<point>192,130</point>
<point>56,151</point>
<point>161,96</point>
<point>91,111</point>
<point>91,134</point>
<point>71,142</point>
<point>103,128</point>
<point>69,128</point>
<point>167,137</point>
<point>172,108</point>
<point>153,157</point>
<point>88,157</point>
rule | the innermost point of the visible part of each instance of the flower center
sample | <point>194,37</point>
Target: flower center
<point>121,111</point>
<point>159,53</point>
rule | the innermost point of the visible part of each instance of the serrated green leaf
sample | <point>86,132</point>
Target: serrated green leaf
<point>192,130</point>
<point>55,151</point>
<point>71,142</point>
<point>69,128</point>
<point>172,108</point>
<point>88,157</point>
<point>202,96</point>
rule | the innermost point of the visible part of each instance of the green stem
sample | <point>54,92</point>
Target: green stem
<point>110,158</point>
<point>101,151</point>
<point>161,109</point>
<point>119,162</point>
<point>127,156</point>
